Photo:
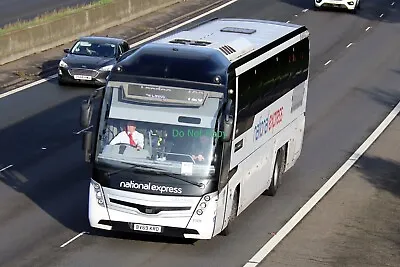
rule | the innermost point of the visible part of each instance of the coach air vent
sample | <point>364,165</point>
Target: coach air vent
<point>237,48</point>
<point>227,49</point>
<point>190,42</point>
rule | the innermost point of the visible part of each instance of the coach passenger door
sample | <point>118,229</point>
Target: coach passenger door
<point>242,144</point>
<point>226,123</point>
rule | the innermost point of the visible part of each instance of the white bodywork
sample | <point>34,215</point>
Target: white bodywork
<point>347,4</point>
<point>203,223</point>
<point>254,161</point>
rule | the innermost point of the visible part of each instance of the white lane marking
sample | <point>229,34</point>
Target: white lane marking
<point>79,132</point>
<point>296,15</point>
<point>392,4</point>
<point>288,21</point>
<point>304,10</point>
<point>132,45</point>
<point>19,89</point>
<point>381,15</point>
<point>329,61</point>
<point>5,168</point>
<point>350,44</point>
<point>288,227</point>
<point>72,239</point>
<point>43,148</point>
<point>367,28</point>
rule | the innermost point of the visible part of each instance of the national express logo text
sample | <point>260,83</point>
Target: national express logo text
<point>151,187</point>
<point>266,124</point>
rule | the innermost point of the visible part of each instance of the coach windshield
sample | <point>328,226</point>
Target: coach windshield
<point>178,139</point>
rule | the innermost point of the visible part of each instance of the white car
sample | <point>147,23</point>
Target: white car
<point>351,5</point>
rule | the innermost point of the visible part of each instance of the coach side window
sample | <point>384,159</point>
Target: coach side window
<point>244,118</point>
<point>265,83</point>
<point>255,88</point>
<point>266,80</point>
<point>304,46</point>
<point>244,91</point>
<point>298,63</point>
<point>277,70</point>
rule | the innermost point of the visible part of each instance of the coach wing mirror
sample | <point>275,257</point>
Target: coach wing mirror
<point>86,113</point>
<point>228,127</point>
<point>66,50</point>
<point>87,107</point>
<point>87,145</point>
<point>228,122</point>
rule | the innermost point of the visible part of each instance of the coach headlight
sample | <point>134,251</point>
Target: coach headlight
<point>206,200</point>
<point>98,192</point>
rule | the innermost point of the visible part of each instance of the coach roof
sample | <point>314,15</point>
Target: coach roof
<point>233,38</point>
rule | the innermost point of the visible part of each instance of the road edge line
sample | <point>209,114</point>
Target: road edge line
<point>313,201</point>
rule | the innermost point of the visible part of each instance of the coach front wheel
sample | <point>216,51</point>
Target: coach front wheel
<point>232,215</point>
<point>276,175</point>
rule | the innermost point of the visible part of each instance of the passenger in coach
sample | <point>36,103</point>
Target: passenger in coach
<point>200,151</point>
<point>198,148</point>
<point>129,136</point>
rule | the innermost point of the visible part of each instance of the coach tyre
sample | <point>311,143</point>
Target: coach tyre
<point>232,216</point>
<point>276,175</point>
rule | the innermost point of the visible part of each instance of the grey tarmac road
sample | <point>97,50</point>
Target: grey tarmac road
<point>17,10</point>
<point>43,195</point>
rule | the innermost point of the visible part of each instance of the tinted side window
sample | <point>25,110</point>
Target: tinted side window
<point>245,86</point>
<point>265,83</point>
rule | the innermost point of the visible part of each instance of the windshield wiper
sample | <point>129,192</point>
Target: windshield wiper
<point>163,172</point>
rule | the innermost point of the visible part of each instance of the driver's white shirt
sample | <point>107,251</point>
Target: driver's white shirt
<point>123,137</point>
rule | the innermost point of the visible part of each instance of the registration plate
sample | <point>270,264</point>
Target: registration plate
<point>82,77</point>
<point>147,228</point>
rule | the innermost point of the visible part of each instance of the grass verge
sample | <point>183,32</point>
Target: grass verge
<point>50,16</point>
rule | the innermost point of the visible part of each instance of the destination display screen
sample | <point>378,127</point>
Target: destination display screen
<point>165,94</point>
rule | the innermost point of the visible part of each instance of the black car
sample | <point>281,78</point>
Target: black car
<point>90,60</point>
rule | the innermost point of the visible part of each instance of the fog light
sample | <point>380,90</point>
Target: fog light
<point>100,201</point>
<point>98,195</point>
<point>96,186</point>
<point>207,198</point>
<point>199,212</point>
<point>203,205</point>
